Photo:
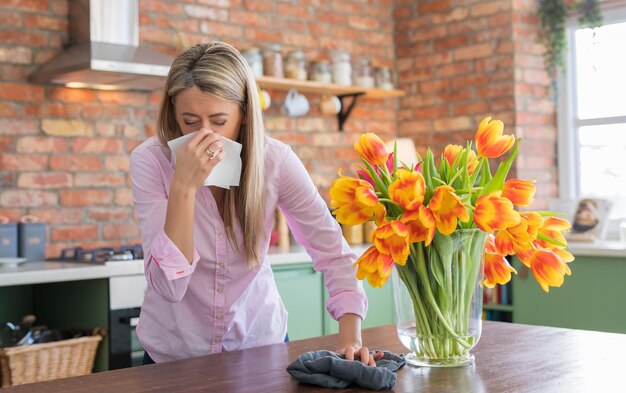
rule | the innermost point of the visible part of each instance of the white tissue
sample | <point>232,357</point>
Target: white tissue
<point>227,172</point>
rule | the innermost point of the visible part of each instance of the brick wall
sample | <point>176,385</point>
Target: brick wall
<point>64,152</point>
<point>462,60</point>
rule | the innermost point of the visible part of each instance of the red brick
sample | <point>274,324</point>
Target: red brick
<point>43,22</point>
<point>474,108</point>
<point>26,5</point>
<point>6,144</point>
<point>74,232</point>
<point>160,7</point>
<point>53,109</point>
<point>456,14</point>
<point>469,81</point>
<point>123,98</point>
<point>72,95</point>
<point>250,19</point>
<point>23,162</point>
<point>158,36</point>
<point>114,231</point>
<point>10,19</point>
<point>451,42</point>
<point>97,145</point>
<point>473,51</point>
<point>123,197</point>
<point>12,214</point>
<point>75,163</point>
<point>85,197</point>
<point>117,163</point>
<point>36,144</point>
<point>108,214</point>
<point>258,5</point>
<point>433,86</point>
<point>99,111</point>
<point>28,198</point>
<point>425,7</point>
<point>21,92</point>
<point>264,35</point>
<point>221,29</point>
<point>22,38</point>
<point>45,180</point>
<point>452,124</point>
<point>58,215</point>
<point>99,179</point>
<point>363,23</point>
<point>18,127</point>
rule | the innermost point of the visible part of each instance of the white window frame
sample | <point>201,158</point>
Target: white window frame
<point>568,148</point>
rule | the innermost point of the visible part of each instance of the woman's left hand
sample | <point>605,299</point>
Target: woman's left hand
<point>355,351</point>
<point>350,341</point>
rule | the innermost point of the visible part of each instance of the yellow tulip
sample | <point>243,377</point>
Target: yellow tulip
<point>447,209</point>
<point>421,225</point>
<point>493,212</point>
<point>354,201</point>
<point>408,190</point>
<point>372,148</point>
<point>519,192</point>
<point>452,151</point>
<point>490,142</point>
<point>519,236</point>
<point>392,238</point>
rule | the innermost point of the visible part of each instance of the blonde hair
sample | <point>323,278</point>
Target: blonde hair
<point>219,69</point>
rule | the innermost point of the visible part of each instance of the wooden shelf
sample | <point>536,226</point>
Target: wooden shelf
<point>268,82</point>
<point>498,307</point>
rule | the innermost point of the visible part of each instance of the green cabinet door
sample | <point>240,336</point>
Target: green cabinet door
<point>300,287</point>
<point>592,298</point>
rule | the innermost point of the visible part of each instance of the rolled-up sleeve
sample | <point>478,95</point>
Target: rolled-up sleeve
<point>167,270</point>
<point>314,228</point>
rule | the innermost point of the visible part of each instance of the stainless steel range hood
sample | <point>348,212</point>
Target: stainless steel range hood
<point>104,50</point>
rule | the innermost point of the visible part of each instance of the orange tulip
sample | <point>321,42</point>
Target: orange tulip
<point>497,269</point>
<point>519,192</point>
<point>452,151</point>
<point>374,266</point>
<point>392,238</point>
<point>355,201</point>
<point>493,212</point>
<point>372,148</point>
<point>447,209</point>
<point>490,142</point>
<point>421,225</point>
<point>554,228</point>
<point>408,190</point>
<point>548,269</point>
<point>518,236</point>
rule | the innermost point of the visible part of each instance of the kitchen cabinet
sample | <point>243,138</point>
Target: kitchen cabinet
<point>591,298</point>
<point>304,295</point>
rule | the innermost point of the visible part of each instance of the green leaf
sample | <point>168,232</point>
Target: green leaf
<point>395,157</point>
<point>380,186</point>
<point>497,183</point>
<point>547,238</point>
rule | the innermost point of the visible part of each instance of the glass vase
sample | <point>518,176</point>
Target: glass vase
<point>438,299</point>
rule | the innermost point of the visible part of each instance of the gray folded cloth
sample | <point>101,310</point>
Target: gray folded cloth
<point>331,370</point>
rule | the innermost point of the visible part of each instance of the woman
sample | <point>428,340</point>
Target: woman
<point>210,286</point>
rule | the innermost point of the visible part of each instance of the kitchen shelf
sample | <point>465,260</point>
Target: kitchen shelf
<point>342,92</point>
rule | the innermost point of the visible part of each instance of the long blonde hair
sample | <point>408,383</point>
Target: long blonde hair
<point>219,69</point>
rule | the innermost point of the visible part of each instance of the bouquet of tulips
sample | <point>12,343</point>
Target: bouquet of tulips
<point>425,212</point>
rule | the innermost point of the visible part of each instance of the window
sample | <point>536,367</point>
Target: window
<point>592,113</point>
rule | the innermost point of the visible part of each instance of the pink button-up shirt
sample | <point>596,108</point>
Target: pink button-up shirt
<point>217,303</point>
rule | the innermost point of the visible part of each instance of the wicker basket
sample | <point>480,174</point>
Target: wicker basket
<point>43,362</point>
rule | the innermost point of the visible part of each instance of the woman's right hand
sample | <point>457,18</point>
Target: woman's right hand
<point>196,159</point>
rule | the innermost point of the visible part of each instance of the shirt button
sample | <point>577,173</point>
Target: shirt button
<point>220,236</point>
<point>220,265</point>
<point>220,290</point>
<point>217,340</point>
<point>219,317</point>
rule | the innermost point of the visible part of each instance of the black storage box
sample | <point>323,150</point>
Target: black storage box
<point>32,241</point>
<point>8,240</point>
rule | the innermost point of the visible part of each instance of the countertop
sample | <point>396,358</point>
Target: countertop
<point>54,271</point>
<point>509,358</point>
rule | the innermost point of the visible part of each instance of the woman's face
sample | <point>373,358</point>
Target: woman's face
<point>196,109</point>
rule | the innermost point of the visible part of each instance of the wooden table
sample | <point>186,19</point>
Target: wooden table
<point>509,358</point>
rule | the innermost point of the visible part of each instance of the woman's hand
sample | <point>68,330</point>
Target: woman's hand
<point>350,341</point>
<point>196,159</point>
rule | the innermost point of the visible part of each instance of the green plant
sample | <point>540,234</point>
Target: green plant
<point>553,15</point>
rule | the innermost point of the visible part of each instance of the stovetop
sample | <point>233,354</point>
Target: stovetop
<point>102,254</point>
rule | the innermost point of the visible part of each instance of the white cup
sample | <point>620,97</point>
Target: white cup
<point>330,105</point>
<point>295,104</point>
